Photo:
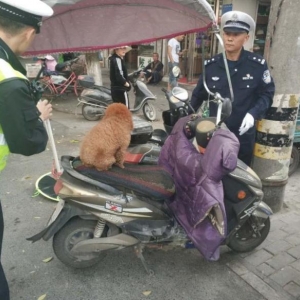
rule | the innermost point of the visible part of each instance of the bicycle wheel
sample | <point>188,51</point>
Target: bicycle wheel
<point>48,93</point>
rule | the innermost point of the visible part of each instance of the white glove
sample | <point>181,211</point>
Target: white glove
<point>247,123</point>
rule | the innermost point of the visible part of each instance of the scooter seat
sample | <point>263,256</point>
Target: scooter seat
<point>102,89</point>
<point>151,181</point>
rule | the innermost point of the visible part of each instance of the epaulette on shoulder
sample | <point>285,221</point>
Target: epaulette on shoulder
<point>257,58</point>
<point>211,60</point>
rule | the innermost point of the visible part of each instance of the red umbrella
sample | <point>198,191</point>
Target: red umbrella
<point>90,25</point>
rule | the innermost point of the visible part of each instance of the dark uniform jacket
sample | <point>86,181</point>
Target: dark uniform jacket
<point>253,87</point>
<point>118,71</point>
<point>19,117</point>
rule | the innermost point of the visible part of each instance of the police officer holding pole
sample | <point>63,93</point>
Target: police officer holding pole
<point>21,117</point>
<point>252,84</point>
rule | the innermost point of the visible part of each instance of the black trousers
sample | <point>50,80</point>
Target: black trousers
<point>4,291</point>
<point>247,141</point>
<point>119,96</point>
<point>155,76</point>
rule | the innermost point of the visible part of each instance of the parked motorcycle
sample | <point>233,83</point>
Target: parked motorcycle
<point>95,99</point>
<point>111,210</point>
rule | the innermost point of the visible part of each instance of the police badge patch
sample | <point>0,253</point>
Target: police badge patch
<point>267,77</point>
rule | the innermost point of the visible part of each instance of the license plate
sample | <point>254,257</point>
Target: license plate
<point>57,210</point>
<point>113,206</point>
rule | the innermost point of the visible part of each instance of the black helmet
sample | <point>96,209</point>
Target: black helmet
<point>204,131</point>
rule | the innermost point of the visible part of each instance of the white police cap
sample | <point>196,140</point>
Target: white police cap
<point>237,21</point>
<point>28,12</point>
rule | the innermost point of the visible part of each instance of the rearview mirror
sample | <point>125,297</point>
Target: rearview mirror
<point>180,93</point>
<point>176,71</point>
<point>226,109</point>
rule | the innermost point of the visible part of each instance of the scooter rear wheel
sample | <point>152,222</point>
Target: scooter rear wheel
<point>75,231</point>
<point>245,239</point>
<point>91,112</point>
<point>149,111</point>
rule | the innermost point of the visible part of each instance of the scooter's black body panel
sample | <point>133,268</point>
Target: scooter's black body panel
<point>67,213</point>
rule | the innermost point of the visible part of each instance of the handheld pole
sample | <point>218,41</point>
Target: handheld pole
<point>52,143</point>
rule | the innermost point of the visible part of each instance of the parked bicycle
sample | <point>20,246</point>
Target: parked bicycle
<point>64,80</point>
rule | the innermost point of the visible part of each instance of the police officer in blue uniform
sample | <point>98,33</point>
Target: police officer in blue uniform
<point>21,118</point>
<point>252,84</point>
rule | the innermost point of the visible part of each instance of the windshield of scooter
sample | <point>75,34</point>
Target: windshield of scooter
<point>180,93</point>
<point>143,90</point>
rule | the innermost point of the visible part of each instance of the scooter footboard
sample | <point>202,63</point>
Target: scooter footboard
<point>55,224</point>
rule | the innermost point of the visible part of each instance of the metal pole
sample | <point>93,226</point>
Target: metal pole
<point>52,144</point>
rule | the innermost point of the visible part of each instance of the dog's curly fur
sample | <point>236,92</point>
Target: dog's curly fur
<point>108,141</point>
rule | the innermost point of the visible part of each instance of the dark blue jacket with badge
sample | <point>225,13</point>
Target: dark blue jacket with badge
<point>253,87</point>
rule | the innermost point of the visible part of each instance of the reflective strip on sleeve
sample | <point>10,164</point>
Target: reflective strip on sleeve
<point>2,139</point>
<point>6,71</point>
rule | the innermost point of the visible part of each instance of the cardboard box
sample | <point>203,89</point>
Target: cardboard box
<point>32,70</point>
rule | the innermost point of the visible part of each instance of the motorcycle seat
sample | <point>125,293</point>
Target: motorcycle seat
<point>150,181</point>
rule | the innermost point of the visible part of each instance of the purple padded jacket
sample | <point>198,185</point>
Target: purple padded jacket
<point>198,203</point>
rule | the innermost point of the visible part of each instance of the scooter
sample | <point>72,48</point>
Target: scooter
<point>95,99</point>
<point>112,210</point>
<point>145,147</point>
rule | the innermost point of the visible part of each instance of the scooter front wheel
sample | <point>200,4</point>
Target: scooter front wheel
<point>246,238</point>
<point>91,112</point>
<point>73,232</point>
<point>149,111</point>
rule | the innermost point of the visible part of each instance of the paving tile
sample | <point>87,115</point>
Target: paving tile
<point>277,224</point>
<point>278,246</point>
<point>263,288</point>
<point>290,217</point>
<point>286,275</point>
<point>295,252</point>
<point>258,257</point>
<point>293,239</point>
<point>266,269</point>
<point>237,267</point>
<point>296,265</point>
<point>280,260</point>
<point>277,235</point>
<point>293,289</point>
<point>291,228</point>
<point>264,244</point>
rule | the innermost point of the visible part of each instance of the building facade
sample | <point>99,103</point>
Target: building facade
<point>191,62</point>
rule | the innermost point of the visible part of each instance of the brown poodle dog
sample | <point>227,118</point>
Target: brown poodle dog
<point>108,141</point>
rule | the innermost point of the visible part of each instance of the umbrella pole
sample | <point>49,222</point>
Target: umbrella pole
<point>52,143</point>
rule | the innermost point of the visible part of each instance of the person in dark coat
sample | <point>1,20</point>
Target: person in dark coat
<point>154,70</point>
<point>253,86</point>
<point>21,119</point>
<point>119,76</point>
